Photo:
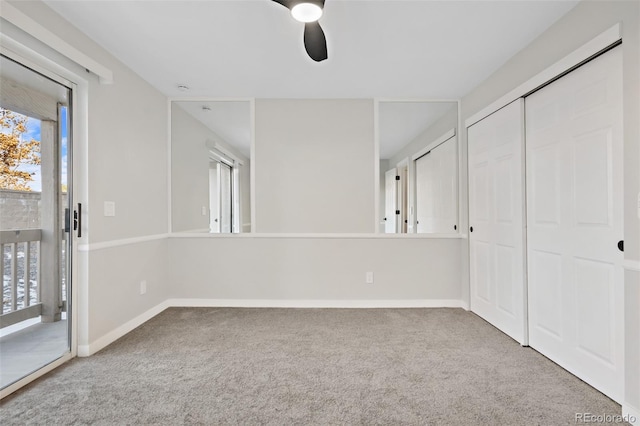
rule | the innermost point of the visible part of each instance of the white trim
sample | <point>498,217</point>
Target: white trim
<point>376,167</point>
<point>442,139</point>
<point>35,375</point>
<point>112,336</point>
<point>309,303</point>
<point>252,166</point>
<point>602,41</point>
<point>122,242</point>
<point>631,265</point>
<point>169,168</point>
<point>40,33</point>
<point>417,100</point>
<point>629,413</point>
<point>363,236</point>
<point>204,233</point>
<point>208,99</point>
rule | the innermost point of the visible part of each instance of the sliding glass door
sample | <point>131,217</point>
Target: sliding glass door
<point>35,223</point>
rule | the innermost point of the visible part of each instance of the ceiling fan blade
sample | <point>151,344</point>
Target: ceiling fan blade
<point>286,3</point>
<point>315,42</point>
<point>290,3</point>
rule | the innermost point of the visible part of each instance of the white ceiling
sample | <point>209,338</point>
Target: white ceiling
<point>392,48</point>
<point>253,48</point>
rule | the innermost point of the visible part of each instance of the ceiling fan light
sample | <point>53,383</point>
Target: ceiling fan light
<point>306,12</point>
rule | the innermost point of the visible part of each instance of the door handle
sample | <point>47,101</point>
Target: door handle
<point>67,220</point>
<point>621,245</point>
<point>77,220</point>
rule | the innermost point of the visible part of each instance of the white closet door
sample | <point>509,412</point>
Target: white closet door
<point>574,215</point>
<point>437,189</point>
<point>390,201</point>
<point>496,219</point>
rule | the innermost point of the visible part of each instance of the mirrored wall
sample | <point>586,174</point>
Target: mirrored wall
<point>313,168</point>
<point>210,166</point>
<point>418,149</point>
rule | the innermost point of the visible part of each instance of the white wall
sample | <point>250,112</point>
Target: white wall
<point>314,166</point>
<point>285,268</point>
<point>122,158</point>
<point>581,24</point>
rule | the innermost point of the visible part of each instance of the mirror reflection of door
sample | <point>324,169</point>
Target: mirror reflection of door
<point>403,199</point>
<point>225,191</point>
<point>390,201</point>
<point>35,193</point>
<point>424,197</point>
<point>214,197</point>
<point>223,183</point>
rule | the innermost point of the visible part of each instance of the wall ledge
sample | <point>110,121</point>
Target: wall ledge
<point>354,236</point>
<point>122,242</point>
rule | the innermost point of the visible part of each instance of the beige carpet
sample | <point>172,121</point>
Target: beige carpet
<point>309,367</point>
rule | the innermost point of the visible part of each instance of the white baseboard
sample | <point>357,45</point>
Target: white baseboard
<point>112,336</point>
<point>631,415</point>
<point>310,303</point>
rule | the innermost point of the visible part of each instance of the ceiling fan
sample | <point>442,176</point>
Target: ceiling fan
<point>309,11</point>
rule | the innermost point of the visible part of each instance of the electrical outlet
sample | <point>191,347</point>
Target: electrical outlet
<point>143,287</point>
<point>204,210</point>
<point>369,278</point>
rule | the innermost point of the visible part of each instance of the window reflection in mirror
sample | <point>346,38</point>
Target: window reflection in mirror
<point>210,155</point>
<point>418,166</point>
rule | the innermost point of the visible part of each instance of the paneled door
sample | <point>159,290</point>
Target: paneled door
<point>436,189</point>
<point>496,219</point>
<point>390,201</point>
<point>574,219</point>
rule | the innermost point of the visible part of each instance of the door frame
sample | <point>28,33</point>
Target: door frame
<point>76,188</point>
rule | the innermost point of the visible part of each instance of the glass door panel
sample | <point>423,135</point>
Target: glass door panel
<point>34,239</point>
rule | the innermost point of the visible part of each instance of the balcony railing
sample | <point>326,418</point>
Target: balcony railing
<point>21,283</point>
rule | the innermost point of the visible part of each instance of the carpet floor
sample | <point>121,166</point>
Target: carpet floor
<point>309,367</point>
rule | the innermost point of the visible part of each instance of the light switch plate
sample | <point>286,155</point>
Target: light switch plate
<point>369,278</point>
<point>109,208</point>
